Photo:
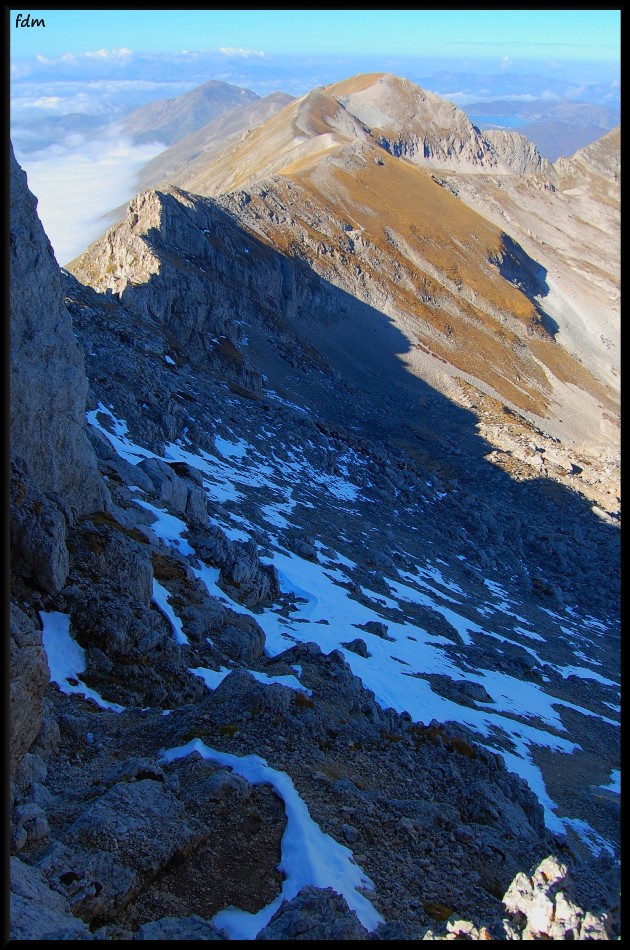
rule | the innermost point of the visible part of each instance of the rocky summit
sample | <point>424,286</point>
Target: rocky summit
<point>315,535</point>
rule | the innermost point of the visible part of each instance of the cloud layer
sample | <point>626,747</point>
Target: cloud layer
<point>78,181</point>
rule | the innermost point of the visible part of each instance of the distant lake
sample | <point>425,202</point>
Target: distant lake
<point>497,121</point>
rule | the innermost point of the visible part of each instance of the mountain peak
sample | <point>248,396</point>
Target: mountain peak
<point>169,120</point>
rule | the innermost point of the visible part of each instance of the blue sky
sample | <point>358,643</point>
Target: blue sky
<point>535,34</point>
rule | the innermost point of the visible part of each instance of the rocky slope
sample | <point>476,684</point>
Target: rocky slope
<point>308,616</point>
<point>518,152</point>
<point>596,166</point>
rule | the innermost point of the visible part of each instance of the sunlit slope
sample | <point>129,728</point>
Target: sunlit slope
<point>390,235</point>
<point>596,166</point>
<point>194,152</point>
<point>394,113</point>
<point>415,124</point>
<point>310,126</point>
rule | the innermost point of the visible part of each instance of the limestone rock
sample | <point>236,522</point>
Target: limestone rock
<point>37,912</point>
<point>357,646</point>
<point>179,928</point>
<point>107,553</point>
<point>539,908</point>
<point>121,839</point>
<point>33,819</point>
<point>38,535</point>
<point>474,691</point>
<point>242,639</point>
<point>48,383</point>
<point>254,584</point>
<point>315,914</point>
<point>519,153</point>
<point>29,677</point>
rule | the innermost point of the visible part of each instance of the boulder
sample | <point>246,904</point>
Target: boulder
<point>179,928</point>
<point>314,914</point>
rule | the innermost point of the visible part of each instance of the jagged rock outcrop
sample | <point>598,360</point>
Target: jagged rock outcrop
<point>540,906</point>
<point>519,153</point>
<point>156,262</point>
<point>48,382</point>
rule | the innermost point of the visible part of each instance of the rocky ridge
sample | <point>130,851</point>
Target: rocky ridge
<point>352,147</point>
<point>106,833</point>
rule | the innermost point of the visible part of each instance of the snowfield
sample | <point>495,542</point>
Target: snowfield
<point>332,607</point>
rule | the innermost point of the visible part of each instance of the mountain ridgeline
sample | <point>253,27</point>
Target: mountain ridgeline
<point>315,534</point>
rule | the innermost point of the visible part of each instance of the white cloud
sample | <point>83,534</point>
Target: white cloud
<point>78,180</point>
<point>505,62</point>
<point>56,103</point>
<point>51,61</point>
<point>110,55</point>
<point>122,53</point>
<point>236,51</point>
<point>19,70</point>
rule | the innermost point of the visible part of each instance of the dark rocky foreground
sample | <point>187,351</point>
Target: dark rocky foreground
<point>111,839</point>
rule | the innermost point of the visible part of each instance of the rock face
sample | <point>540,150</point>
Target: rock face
<point>29,678</point>
<point>415,124</point>
<point>54,477</point>
<point>48,383</point>
<point>314,915</point>
<point>178,300</point>
<point>518,153</point>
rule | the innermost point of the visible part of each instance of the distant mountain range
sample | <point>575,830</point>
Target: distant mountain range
<point>169,120</point>
<point>555,127</point>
